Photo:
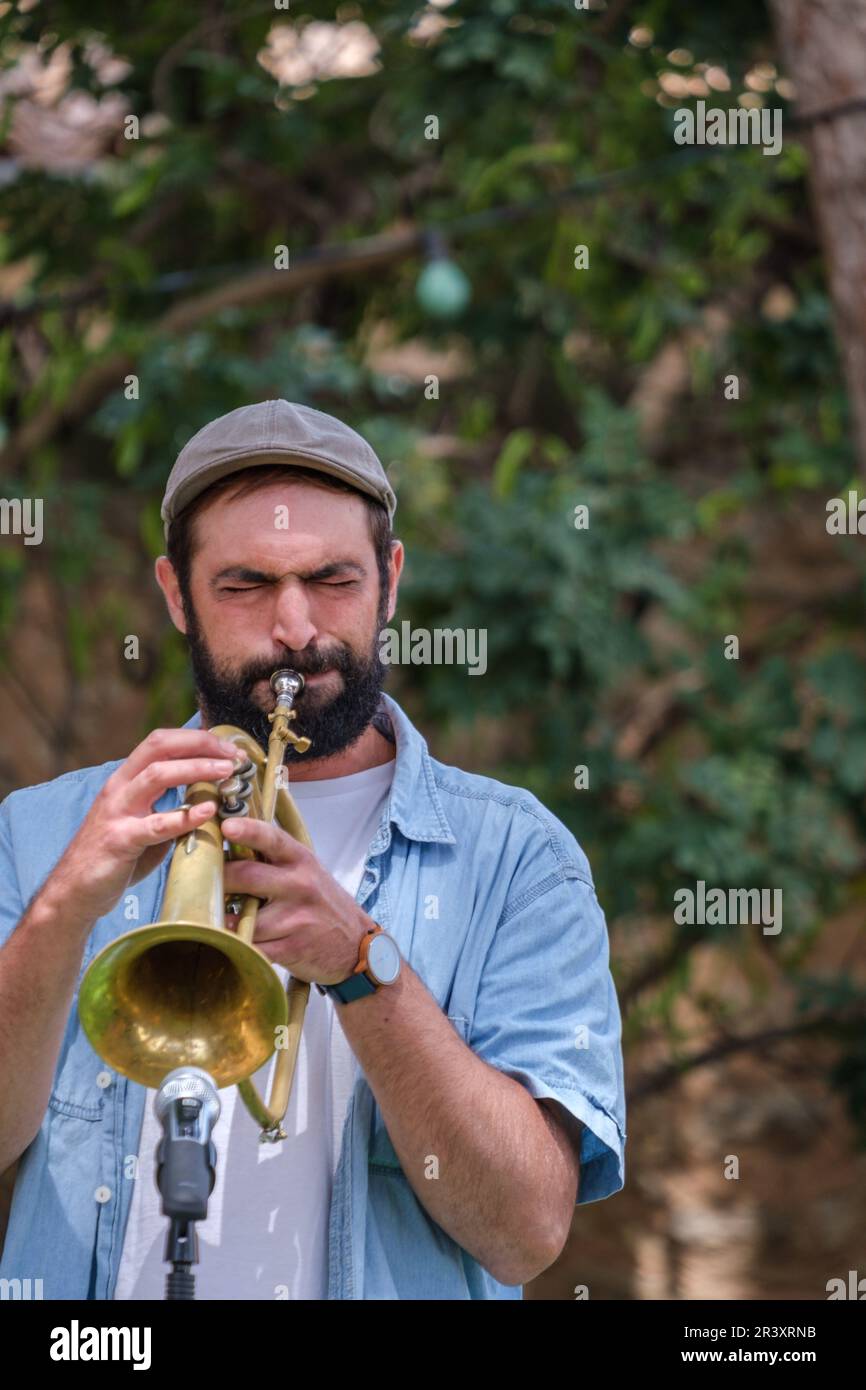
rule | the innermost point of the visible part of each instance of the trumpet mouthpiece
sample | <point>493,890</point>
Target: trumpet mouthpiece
<point>287,682</point>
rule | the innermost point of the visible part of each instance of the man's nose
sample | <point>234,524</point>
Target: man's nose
<point>292,625</point>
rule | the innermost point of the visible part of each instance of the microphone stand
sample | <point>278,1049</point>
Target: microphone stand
<point>187,1106</point>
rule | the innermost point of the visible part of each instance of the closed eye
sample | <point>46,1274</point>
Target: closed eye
<point>325,583</point>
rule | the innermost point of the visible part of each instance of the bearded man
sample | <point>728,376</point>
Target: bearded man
<point>459,1082</point>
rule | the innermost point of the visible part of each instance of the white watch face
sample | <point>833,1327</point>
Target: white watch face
<point>383,959</point>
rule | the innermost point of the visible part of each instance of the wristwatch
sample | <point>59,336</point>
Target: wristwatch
<point>378,964</point>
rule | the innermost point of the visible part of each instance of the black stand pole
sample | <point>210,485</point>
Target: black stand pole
<point>181,1248</point>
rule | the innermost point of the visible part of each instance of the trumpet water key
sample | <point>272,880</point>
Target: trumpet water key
<point>188,991</point>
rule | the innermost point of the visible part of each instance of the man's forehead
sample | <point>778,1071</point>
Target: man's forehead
<point>251,491</point>
<point>280,523</point>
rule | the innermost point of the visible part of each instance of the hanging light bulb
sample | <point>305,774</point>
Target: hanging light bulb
<point>442,289</point>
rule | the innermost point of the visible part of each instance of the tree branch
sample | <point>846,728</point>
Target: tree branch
<point>668,1076</point>
<point>259,286</point>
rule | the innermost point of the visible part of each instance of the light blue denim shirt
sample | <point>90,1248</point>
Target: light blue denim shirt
<point>515,953</point>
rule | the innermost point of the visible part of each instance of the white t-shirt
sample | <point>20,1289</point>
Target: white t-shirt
<point>266,1233</point>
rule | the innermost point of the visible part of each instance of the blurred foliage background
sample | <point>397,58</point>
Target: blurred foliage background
<point>554,387</point>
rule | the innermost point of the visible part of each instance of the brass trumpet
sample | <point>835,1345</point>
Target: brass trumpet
<point>187,991</point>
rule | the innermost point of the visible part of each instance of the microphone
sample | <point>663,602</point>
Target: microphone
<point>187,1106</point>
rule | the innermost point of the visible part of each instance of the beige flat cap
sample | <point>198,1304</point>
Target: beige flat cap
<point>273,432</point>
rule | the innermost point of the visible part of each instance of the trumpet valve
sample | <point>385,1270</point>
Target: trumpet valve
<point>236,790</point>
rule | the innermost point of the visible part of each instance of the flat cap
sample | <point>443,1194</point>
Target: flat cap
<point>273,432</point>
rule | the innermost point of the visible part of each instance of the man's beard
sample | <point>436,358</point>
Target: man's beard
<point>331,723</point>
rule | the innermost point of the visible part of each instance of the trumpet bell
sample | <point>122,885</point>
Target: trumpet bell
<point>180,994</point>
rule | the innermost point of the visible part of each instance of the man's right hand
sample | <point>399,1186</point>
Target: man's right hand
<point>122,838</point>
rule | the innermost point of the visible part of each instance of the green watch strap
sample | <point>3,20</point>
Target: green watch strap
<point>354,988</point>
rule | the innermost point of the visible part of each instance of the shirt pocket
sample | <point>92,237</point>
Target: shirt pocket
<point>82,1080</point>
<point>73,1109</point>
<point>382,1154</point>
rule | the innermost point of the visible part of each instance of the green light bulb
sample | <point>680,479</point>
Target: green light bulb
<point>442,289</point>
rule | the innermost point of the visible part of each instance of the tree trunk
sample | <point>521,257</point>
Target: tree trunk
<point>823,46</point>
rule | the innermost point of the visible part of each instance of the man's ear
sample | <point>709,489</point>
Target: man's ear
<point>397,557</point>
<point>167,581</point>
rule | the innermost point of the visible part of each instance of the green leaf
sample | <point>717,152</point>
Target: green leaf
<point>514,453</point>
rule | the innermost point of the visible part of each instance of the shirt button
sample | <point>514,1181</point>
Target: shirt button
<point>103,1194</point>
<point>104,1079</point>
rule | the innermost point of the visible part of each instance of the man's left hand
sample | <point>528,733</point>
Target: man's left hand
<point>309,924</point>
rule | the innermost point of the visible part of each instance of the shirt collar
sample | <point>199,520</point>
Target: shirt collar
<point>414,806</point>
